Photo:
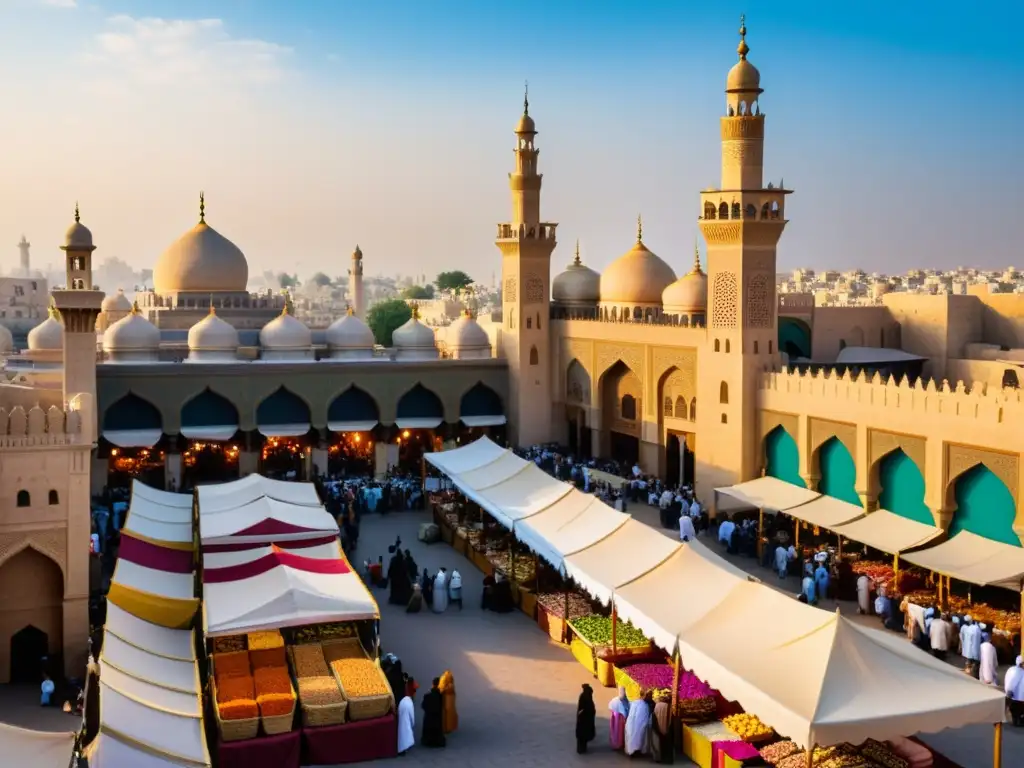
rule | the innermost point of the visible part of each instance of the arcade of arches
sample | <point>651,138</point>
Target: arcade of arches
<point>31,616</point>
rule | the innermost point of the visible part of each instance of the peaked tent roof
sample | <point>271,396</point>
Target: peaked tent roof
<point>160,641</point>
<point>265,520</point>
<point>157,496</point>
<point>238,493</point>
<point>767,493</point>
<point>888,532</point>
<point>974,559</point>
<point>576,521</point>
<point>467,457</point>
<point>35,749</point>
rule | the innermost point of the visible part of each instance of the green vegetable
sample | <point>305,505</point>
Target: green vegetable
<point>597,630</point>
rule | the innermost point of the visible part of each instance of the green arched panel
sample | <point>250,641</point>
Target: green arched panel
<point>903,488</point>
<point>794,337</point>
<point>838,472</point>
<point>782,457</point>
<point>985,506</point>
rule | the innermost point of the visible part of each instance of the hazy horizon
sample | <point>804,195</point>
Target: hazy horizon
<point>316,128</point>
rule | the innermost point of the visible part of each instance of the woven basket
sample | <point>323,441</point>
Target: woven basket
<point>362,707</point>
<point>233,730</point>
<point>315,715</point>
<point>342,648</point>
<point>278,724</point>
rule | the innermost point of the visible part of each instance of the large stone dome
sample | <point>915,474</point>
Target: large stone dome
<point>132,334</point>
<point>578,284</point>
<point>465,338</point>
<point>349,332</point>
<point>213,335</point>
<point>201,260</point>
<point>48,335</point>
<point>637,278</point>
<point>78,235</point>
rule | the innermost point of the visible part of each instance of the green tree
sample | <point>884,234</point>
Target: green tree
<point>385,317</point>
<point>418,292</point>
<point>287,281</point>
<point>453,281</point>
<point>320,279</point>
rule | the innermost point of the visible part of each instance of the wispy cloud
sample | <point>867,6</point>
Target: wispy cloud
<point>184,53</point>
<point>60,3</point>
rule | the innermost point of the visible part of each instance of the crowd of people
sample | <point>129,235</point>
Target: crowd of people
<point>440,713</point>
<point>640,728</point>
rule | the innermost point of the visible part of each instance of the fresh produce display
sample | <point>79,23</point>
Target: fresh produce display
<point>554,603</point>
<point>229,644</point>
<point>1008,622</point>
<point>883,575</point>
<point>881,754</point>
<point>597,630</point>
<point>780,750</point>
<point>748,727</point>
<point>360,677</point>
<point>232,664</point>
<point>524,572</point>
<point>318,691</point>
<point>235,689</point>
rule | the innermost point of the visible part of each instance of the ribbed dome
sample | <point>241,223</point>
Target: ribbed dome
<point>117,302</point>
<point>413,335</point>
<point>349,332</point>
<point>688,294</point>
<point>133,333</point>
<point>578,284</point>
<point>78,235</point>
<point>201,260</point>
<point>466,332</point>
<point>637,277</point>
<point>211,334</point>
<point>285,332</point>
<point>48,335</point>
<point>6,341</point>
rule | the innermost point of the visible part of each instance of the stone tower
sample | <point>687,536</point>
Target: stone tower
<point>526,243</point>
<point>355,284</point>
<point>742,223</point>
<point>24,261</point>
<point>79,304</point>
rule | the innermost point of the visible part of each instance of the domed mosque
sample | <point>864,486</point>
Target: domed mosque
<point>578,285</point>
<point>632,285</point>
<point>687,298</point>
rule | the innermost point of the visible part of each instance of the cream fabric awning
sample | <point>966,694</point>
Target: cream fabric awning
<point>171,674</point>
<point>492,473</point>
<point>241,556</point>
<point>427,422</point>
<point>818,678</point>
<point>133,438</point>
<point>974,559</point>
<point>576,521</point>
<point>264,521</point>
<point>155,695</point>
<point>177,586</point>
<point>351,426</point>
<point>643,600</point>
<point>160,641</point>
<point>767,493</point>
<point>631,551</point>
<point>238,493</point>
<point>826,512</point>
<point>283,430</point>
<point>888,532</point>
<point>35,749</point>
<point>156,531</point>
<point>110,751</point>
<point>157,496</point>
<point>161,513</point>
<point>524,494</point>
<point>467,457</point>
<point>215,433</point>
<point>484,421</point>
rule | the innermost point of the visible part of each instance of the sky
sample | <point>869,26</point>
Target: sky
<point>315,126</point>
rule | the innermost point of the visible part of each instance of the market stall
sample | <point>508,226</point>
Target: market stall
<point>226,496</point>
<point>154,555</point>
<point>527,492</point>
<point>888,532</point>
<point>467,457</point>
<point>155,496</point>
<point>263,521</point>
<point>159,597</point>
<point>766,493</point>
<point>124,658</point>
<point>576,521</point>
<point>317,550</point>
<point>173,644</point>
<point>25,748</point>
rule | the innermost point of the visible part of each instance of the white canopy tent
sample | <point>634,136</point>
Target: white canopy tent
<point>626,554</point>
<point>238,557</point>
<point>150,692</point>
<point>888,532</point>
<point>171,674</point>
<point>238,493</point>
<point>974,559</point>
<point>498,471</point>
<point>161,513</point>
<point>157,531</point>
<point>826,512</point>
<point>35,749</point>
<point>157,496</point>
<point>265,520</point>
<point>176,586</point>
<point>177,644</point>
<point>467,457</point>
<point>820,679</point>
<point>110,751</point>
<point>576,521</point>
<point>525,493</point>
<point>767,493</point>
<point>133,438</point>
<point>672,597</point>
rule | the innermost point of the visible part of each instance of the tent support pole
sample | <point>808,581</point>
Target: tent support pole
<point>942,604</point>
<point>615,623</point>
<point>840,546</point>
<point>675,681</point>
<point>810,755</point>
<point>896,572</point>
<point>796,536</point>
<point>760,533</point>
<point>997,747</point>
<point>565,621</point>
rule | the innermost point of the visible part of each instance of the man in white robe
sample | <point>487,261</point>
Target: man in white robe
<point>638,727</point>
<point>863,594</point>
<point>686,530</point>
<point>1013,685</point>
<point>988,670</point>
<point>970,646</point>
<point>406,724</point>
<point>781,561</point>
<point>440,592</point>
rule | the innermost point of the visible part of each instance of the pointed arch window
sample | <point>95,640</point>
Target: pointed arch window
<point>667,407</point>
<point>24,498</point>
<point>723,393</point>
<point>534,356</point>
<point>628,407</point>
<point>54,498</point>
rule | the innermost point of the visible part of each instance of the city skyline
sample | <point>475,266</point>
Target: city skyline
<point>317,130</point>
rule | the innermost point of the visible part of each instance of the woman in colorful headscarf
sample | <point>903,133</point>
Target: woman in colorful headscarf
<point>662,746</point>
<point>619,707</point>
<point>450,715</point>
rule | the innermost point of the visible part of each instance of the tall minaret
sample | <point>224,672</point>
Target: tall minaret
<point>355,284</point>
<point>24,263</point>
<point>79,304</point>
<point>742,223</point>
<point>526,244</point>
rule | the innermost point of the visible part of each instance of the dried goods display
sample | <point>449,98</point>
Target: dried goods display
<point>308,661</point>
<point>524,566</point>
<point>261,640</point>
<point>235,689</point>
<point>336,630</point>
<point>883,575</point>
<point>232,664</point>
<point>229,644</point>
<point>266,649</point>
<point>360,677</point>
<point>748,727</point>
<point>780,750</point>
<point>882,754</point>
<point>270,680</point>
<point>554,603</point>
<point>795,760</point>
<point>318,691</point>
<point>597,630</point>
<point>246,709</point>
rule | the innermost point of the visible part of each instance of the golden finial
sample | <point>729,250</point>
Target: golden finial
<point>349,311</point>
<point>576,259</point>
<point>696,255</point>
<point>639,228</point>
<point>526,99</point>
<point>202,208</point>
<point>77,217</point>
<point>135,307</point>
<point>743,49</point>
<point>415,311</point>
<point>212,310</point>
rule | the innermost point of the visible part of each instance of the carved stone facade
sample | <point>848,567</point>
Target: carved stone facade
<point>609,354</point>
<point>724,299</point>
<point>760,295</point>
<point>1005,466</point>
<point>510,290</point>
<point>533,292</point>
<point>881,444</point>
<point>821,431</point>
<point>769,420</point>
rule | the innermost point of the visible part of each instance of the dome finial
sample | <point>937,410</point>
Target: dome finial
<point>639,228</point>
<point>202,208</point>
<point>212,310</point>
<point>576,259</point>
<point>526,99</point>
<point>78,218</point>
<point>135,307</point>
<point>743,49</point>
<point>349,311</point>
<point>415,311</point>
<point>696,255</point>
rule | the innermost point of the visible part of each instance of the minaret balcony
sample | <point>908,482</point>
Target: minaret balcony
<point>542,231</point>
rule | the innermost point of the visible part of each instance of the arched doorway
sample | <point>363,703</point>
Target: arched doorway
<point>577,399</point>
<point>902,487</point>
<point>782,457</point>
<point>132,426</point>
<point>283,418</point>
<point>31,616</point>
<point>838,472</point>
<point>481,412</point>
<point>209,421</point>
<point>352,418</point>
<point>794,337</point>
<point>418,415</point>
<point>621,413</point>
<point>673,453</point>
<point>985,506</point>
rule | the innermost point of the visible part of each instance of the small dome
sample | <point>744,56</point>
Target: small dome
<point>743,77</point>
<point>78,235</point>
<point>286,332</point>
<point>467,333</point>
<point>526,124</point>
<point>578,284</point>
<point>133,333</point>
<point>688,294</point>
<point>211,334</point>
<point>413,335</point>
<point>201,260</point>
<point>6,341</point>
<point>637,277</point>
<point>349,332</point>
<point>48,335</point>
<point>117,302</point>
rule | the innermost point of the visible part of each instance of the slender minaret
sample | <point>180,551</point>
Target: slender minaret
<point>741,223</point>
<point>526,243</point>
<point>355,284</point>
<point>24,262</point>
<point>79,304</point>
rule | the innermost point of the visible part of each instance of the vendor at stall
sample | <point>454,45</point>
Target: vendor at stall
<point>1013,685</point>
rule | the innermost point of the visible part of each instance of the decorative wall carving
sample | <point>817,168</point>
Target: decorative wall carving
<point>881,444</point>
<point>609,354</point>
<point>52,542</point>
<point>821,430</point>
<point>511,292</point>
<point>758,310</point>
<point>721,233</point>
<point>961,458</point>
<point>577,384</point>
<point>533,290</point>
<point>769,420</point>
<point>742,127</point>
<point>723,300</point>
<point>683,360</point>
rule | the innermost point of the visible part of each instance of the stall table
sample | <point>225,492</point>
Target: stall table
<point>375,739</point>
<point>732,754</point>
<point>698,741</point>
<point>282,751</point>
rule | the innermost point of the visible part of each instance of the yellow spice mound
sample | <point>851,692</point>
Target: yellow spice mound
<point>360,677</point>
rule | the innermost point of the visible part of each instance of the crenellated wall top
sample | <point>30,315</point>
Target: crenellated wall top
<point>20,428</point>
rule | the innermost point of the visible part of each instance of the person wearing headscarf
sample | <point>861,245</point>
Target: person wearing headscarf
<point>988,662</point>
<point>938,635</point>
<point>451,713</point>
<point>808,588</point>
<point>406,723</point>
<point>638,728</point>
<point>440,593</point>
<point>427,584</point>
<point>821,579</point>
<point>433,717</point>
<point>619,707</point>
<point>863,594</point>
<point>970,646</point>
<point>586,729</point>
<point>781,561</point>
<point>662,745</point>
<point>1013,685</point>
<point>398,579</point>
<point>455,588</point>
<point>411,566</point>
